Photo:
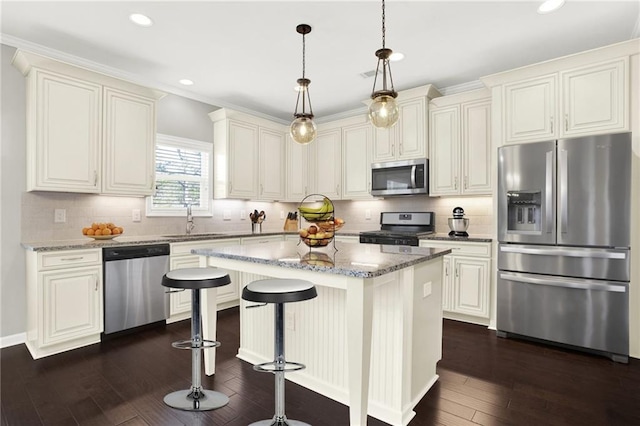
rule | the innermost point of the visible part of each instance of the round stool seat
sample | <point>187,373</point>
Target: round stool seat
<point>196,278</point>
<point>279,290</point>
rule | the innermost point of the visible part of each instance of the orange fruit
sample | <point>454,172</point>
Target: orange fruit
<point>98,232</point>
<point>94,226</point>
<point>115,231</point>
<point>84,231</point>
<point>106,231</point>
<point>90,231</point>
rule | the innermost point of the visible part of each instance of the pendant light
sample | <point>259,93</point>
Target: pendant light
<point>383,111</point>
<point>303,129</point>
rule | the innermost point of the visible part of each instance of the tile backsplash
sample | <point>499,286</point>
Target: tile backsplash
<point>82,209</point>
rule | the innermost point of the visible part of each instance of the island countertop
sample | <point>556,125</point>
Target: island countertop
<point>350,258</point>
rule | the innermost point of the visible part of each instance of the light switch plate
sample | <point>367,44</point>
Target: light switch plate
<point>367,214</point>
<point>226,215</point>
<point>135,215</point>
<point>243,215</point>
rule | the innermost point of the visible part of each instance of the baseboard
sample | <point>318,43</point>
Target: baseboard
<point>13,340</point>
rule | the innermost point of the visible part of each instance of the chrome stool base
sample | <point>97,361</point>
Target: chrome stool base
<point>184,400</point>
<point>285,422</point>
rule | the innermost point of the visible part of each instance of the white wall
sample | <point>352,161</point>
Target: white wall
<point>12,184</point>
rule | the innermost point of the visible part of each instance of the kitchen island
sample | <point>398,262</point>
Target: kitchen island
<point>392,293</point>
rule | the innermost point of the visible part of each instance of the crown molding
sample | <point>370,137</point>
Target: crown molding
<point>39,49</point>
<point>463,87</point>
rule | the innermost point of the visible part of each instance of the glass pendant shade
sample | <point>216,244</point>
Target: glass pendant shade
<point>303,130</point>
<point>383,111</point>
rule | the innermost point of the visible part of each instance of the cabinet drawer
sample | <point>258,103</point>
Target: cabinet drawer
<point>186,247</point>
<point>258,240</point>
<point>462,249</point>
<point>62,259</point>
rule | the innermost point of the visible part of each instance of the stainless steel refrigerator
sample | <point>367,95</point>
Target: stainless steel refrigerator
<point>564,211</point>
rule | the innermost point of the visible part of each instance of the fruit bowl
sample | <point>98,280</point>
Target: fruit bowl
<point>103,237</point>
<point>313,241</point>
<point>319,211</point>
<point>330,225</point>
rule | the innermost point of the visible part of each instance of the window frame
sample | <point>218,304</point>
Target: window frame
<point>191,144</point>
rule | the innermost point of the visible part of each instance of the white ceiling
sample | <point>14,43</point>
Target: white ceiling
<point>248,54</point>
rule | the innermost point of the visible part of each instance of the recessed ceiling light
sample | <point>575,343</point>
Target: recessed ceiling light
<point>550,6</point>
<point>186,82</point>
<point>396,56</point>
<point>140,19</point>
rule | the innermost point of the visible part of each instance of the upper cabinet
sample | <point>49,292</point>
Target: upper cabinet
<point>408,138</point>
<point>356,161</point>
<point>577,95</point>
<point>297,179</point>
<point>84,129</point>
<point>325,162</point>
<point>249,156</point>
<point>460,144</point>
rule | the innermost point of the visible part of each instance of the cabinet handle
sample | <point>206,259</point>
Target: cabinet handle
<point>446,270</point>
<point>566,122</point>
<point>400,149</point>
<point>68,259</point>
<point>95,286</point>
<point>455,182</point>
<point>551,123</point>
<point>466,182</point>
<point>337,189</point>
<point>305,191</point>
<point>457,272</point>
<point>95,178</point>
<point>393,150</point>
<point>230,187</point>
<point>261,189</point>
<point>152,182</point>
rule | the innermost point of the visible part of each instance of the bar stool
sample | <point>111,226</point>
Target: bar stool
<point>279,292</point>
<point>196,279</point>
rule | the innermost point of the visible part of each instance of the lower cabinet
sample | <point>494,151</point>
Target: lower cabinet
<point>180,258</point>
<point>64,300</point>
<point>466,281</point>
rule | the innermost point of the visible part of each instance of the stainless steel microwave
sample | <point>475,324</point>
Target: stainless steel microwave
<point>404,177</point>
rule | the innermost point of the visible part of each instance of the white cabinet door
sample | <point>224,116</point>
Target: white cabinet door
<point>297,182</point>
<point>325,163</point>
<point>412,137</point>
<point>408,138</point>
<point>261,240</point>
<point>356,161</point>
<point>531,110</point>
<point>444,151</point>
<point>180,301</point>
<point>447,284</point>
<point>476,148</point>
<point>595,98</point>
<point>128,143</point>
<point>71,304</point>
<point>243,160</point>
<point>271,165</point>
<point>64,122</point>
<point>471,286</point>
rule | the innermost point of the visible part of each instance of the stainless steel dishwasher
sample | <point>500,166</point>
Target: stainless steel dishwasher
<point>133,294</point>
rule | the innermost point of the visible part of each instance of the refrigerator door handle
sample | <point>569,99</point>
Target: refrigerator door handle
<point>564,190</point>
<point>548,191</point>
<point>564,252</point>
<point>579,284</point>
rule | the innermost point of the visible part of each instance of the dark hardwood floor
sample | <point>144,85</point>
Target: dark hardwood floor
<point>483,380</point>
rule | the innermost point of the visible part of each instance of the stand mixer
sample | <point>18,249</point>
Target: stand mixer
<point>458,224</point>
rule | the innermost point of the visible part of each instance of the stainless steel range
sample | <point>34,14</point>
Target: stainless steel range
<point>401,228</point>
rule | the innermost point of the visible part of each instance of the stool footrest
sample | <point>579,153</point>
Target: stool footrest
<point>274,367</point>
<point>192,344</point>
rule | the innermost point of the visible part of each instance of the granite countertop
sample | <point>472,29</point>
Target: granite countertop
<point>88,243</point>
<point>351,258</point>
<point>447,237</point>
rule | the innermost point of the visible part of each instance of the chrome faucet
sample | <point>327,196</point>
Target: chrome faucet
<point>190,224</point>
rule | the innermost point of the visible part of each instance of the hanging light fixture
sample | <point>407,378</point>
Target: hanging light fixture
<point>383,111</point>
<point>303,129</point>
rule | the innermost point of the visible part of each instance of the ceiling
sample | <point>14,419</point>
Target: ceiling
<point>248,55</point>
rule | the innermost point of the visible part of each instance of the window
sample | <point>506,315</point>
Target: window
<point>183,177</point>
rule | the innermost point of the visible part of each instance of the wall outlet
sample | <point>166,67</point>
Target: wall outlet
<point>135,215</point>
<point>243,215</point>
<point>281,214</point>
<point>59,215</point>
<point>426,289</point>
<point>290,321</point>
<point>367,214</point>
<point>226,215</point>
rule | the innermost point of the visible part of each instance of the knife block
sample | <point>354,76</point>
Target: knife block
<point>290,225</point>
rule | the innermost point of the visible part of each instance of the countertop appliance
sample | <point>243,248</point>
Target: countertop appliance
<point>458,223</point>
<point>401,228</point>
<point>564,236</point>
<point>404,177</point>
<point>133,293</point>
